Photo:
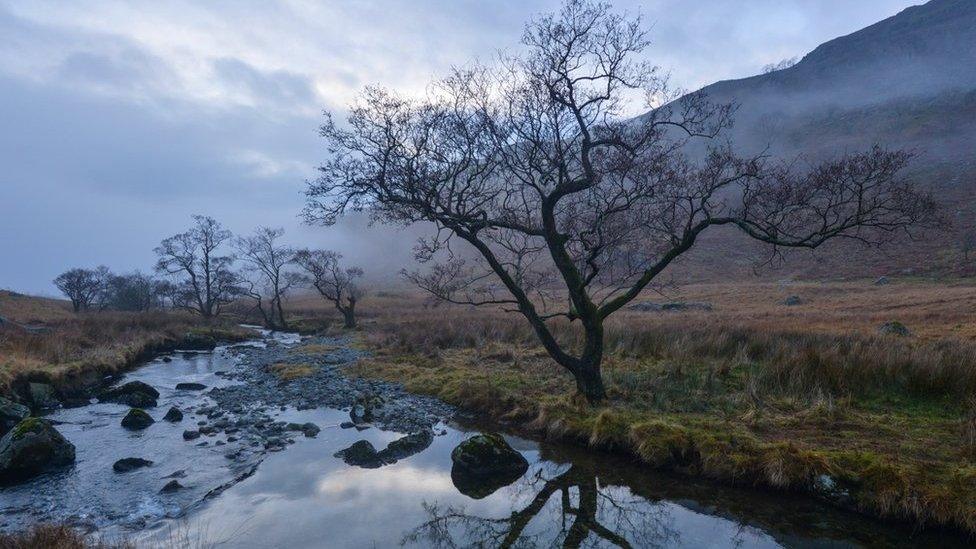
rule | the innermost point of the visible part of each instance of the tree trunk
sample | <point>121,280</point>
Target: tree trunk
<point>589,380</point>
<point>350,315</point>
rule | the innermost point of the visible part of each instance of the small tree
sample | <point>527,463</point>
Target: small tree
<point>335,283</point>
<point>84,287</point>
<point>268,260</point>
<point>967,243</point>
<point>204,279</point>
<point>564,197</point>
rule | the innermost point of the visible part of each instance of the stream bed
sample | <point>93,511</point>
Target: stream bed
<point>255,476</point>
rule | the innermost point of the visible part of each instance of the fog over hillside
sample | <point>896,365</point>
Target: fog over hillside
<point>908,81</point>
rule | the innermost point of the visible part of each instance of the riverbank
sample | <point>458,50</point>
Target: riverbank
<point>73,353</point>
<point>877,424</point>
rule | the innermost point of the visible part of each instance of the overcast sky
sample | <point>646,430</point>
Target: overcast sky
<point>118,120</point>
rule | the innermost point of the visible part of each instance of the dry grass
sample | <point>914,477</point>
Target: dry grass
<point>288,372</point>
<point>48,536</point>
<point>76,348</point>
<point>751,392</point>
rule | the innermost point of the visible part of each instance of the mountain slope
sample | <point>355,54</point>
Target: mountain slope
<point>908,81</point>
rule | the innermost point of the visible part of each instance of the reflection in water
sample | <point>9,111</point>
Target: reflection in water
<point>584,509</point>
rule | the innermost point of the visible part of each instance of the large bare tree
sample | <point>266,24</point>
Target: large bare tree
<point>84,287</point>
<point>334,282</point>
<point>205,281</point>
<point>538,164</point>
<point>269,260</point>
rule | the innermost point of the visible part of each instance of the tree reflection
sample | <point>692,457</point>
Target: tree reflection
<point>587,514</point>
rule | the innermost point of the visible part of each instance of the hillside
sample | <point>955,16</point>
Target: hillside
<point>908,81</point>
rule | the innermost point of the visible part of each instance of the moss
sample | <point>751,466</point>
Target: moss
<point>26,426</point>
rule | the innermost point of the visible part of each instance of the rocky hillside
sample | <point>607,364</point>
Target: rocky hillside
<point>908,81</point>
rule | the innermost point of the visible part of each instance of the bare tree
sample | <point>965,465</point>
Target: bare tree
<point>134,292</point>
<point>204,279</point>
<point>538,165</point>
<point>84,287</point>
<point>269,261</point>
<point>335,283</point>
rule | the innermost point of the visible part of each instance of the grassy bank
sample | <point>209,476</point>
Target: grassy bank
<point>50,536</point>
<point>882,424</point>
<point>73,351</point>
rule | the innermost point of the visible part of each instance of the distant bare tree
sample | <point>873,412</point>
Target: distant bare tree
<point>335,283</point>
<point>538,165</point>
<point>84,287</point>
<point>204,279</point>
<point>783,64</point>
<point>269,261</point>
<point>967,243</point>
<point>134,292</point>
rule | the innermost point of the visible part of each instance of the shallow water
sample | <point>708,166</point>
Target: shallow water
<point>305,497</point>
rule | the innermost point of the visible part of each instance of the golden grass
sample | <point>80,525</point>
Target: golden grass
<point>49,536</point>
<point>752,392</point>
<point>289,372</point>
<point>76,348</point>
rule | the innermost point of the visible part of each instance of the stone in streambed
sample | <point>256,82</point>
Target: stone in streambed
<point>484,463</point>
<point>361,454</point>
<point>134,393</point>
<point>11,414</point>
<point>407,446</point>
<point>170,487</point>
<point>31,447</point>
<point>43,396</point>
<point>173,415</point>
<point>191,435</point>
<point>137,419</point>
<point>190,386</point>
<point>125,465</point>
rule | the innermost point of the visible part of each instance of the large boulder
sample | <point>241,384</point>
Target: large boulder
<point>11,414</point>
<point>137,419</point>
<point>484,463</point>
<point>43,396</point>
<point>31,447</point>
<point>134,393</point>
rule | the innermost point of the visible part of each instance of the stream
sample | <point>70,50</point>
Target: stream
<point>253,478</point>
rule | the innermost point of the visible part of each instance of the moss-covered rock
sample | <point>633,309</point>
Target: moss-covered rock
<point>484,463</point>
<point>31,447</point>
<point>137,419</point>
<point>43,396</point>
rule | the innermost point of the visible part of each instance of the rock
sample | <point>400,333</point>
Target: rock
<point>197,342</point>
<point>189,386</point>
<point>191,435</point>
<point>361,454</point>
<point>125,465</point>
<point>487,454</point>
<point>347,425</point>
<point>177,474</point>
<point>171,486</point>
<point>484,463</point>
<point>893,327</point>
<point>134,393</point>
<point>792,300</point>
<point>167,359</point>
<point>407,446</point>
<point>137,419</point>
<point>173,415</point>
<point>11,414</point>
<point>648,306</point>
<point>881,281</point>
<point>310,430</point>
<point>31,447</point>
<point>43,396</point>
